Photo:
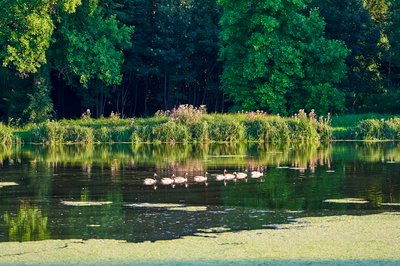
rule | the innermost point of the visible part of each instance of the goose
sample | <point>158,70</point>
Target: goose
<point>201,179</point>
<point>181,180</point>
<point>166,181</point>
<point>150,181</point>
<point>241,175</point>
<point>257,174</point>
<point>221,177</point>
<point>229,177</point>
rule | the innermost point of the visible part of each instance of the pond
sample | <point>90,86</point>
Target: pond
<point>97,192</point>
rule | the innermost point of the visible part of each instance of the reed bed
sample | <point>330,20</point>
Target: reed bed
<point>6,135</point>
<point>188,124</point>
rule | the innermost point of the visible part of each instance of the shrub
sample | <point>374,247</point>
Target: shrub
<point>102,134</point>
<point>226,131</point>
<point>199,132</point>
<point>277,130</point>
<point>324,128</point>
<point>54,132</point>
<point>369,129</point>
<point>78,134</point>
<point>170,132</point>
<point>310,128</point>
<point>49,132</point>
<point>142,133</point>
<point>301,130</point>
<point>187,114</point>
<point>6,136</point>
<point>121,134</point>
<point>255,127</point>
<point>391,128</point>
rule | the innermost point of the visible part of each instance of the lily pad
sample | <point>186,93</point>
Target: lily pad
<point>8,184</point>
<point>154,205</point>
<point>290,211</point>
<point>189,209</point>
<point>85,203</point>
<point>347,201</point>
<point>390,204</point>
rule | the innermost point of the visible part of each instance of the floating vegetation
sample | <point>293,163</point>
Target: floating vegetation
<point>168,206</point>
<point>289,211</point>
<point>154,205</point>
<point>189,209</point>
<point>85,203</point>
<point>263,211</point>
<point>347,201</point>
<point>8,184</point>
<point>390,204</point>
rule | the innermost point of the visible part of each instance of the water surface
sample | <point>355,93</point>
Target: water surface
<point>306,180</point>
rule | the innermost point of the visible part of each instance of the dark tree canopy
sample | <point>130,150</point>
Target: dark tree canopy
<point>278,59</point>
<point>61,57</point>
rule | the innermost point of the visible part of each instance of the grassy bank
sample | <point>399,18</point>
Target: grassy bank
<point>184,125</point>
<point>366,127</point>
<point>190,125</point>
<point>338,240</point>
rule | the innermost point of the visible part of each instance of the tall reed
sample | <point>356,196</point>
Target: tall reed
<point>6,136</point>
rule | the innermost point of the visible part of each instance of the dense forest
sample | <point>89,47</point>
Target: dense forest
<point>134,57</point>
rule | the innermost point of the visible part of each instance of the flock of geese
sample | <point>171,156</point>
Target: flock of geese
<point>184,180</point>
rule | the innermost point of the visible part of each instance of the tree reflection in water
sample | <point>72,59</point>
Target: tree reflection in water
<point>29,224</point>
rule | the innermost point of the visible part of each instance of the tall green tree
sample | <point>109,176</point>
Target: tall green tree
<point>278,59</point>
<point>173,58</point>
<point>89,53</point>
<point>392,58</point>
<point>71,37</point>
<point>351,22</point>
<point>26,28</point>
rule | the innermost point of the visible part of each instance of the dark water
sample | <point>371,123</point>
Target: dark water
<point>297,181</point>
